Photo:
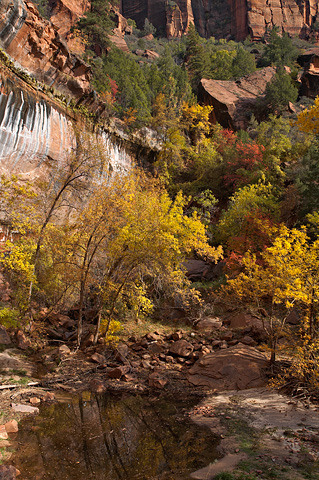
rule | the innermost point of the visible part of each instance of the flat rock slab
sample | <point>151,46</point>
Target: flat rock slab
<point>235,368</point>
<point>24,408</point>
<point>271,410</point>
<point>209,324</point>
<point>11,360</point>
<point>226,464</point>
<point>181,348</point>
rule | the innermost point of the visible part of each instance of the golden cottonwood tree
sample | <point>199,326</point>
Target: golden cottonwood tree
<point>308,119</point>
<point>130,241</point>
<point>51,198</point>
<point>287,275</point>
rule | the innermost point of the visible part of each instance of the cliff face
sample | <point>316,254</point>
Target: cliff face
<point>36,46</point>
<point>65,13</point>
<point>292,16</point>
<point>220,18</point>
<point>34,129</point>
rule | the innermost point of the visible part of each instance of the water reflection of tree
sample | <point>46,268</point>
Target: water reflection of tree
<point>99,437</point>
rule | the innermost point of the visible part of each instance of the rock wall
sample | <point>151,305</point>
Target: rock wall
<point>34,44</point>
<point>168,16</point>
<point>34,129</point>
<point>220,18</point>
<point>292,16</point>
<point>65,13</point>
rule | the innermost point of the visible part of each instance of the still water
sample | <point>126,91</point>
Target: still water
<point>93,437</point>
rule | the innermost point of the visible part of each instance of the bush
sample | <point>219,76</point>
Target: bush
<point>280,91</point>
<point>9,317</point>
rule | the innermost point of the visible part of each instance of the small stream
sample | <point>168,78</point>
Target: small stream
<point>108,437</point>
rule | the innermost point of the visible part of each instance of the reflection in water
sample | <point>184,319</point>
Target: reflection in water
<point>113,438</point>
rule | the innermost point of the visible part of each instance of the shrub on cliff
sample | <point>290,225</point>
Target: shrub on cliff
<point>279,51</point>
<point>97,24</point>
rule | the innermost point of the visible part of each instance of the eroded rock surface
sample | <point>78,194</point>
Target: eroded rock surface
<point>310,77</point>
<point>36,46</point>
<point>33,129</point>
<point>235,101</point>
<point>235,368</point>
<point>234,18</point>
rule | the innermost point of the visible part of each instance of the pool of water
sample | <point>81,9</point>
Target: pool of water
<point>113,438</point>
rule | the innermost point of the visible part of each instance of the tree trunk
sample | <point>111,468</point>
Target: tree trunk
<point>97,329</point>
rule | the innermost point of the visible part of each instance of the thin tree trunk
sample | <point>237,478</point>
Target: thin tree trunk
<point>97,329</point>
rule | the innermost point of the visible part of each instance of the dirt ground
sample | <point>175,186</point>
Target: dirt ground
<point>263,435</point>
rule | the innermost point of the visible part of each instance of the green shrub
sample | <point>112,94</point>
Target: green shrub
<point>9,317</point>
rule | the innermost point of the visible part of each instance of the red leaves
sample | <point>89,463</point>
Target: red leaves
<point>243,162</point>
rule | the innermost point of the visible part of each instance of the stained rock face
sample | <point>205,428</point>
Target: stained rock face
<point>234,101</point>
<point>32,129</point>
<point>292,16</point>
<point>235,368</point>
<point>171,17</point>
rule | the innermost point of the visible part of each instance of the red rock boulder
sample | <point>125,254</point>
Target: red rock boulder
<point>235,368</point>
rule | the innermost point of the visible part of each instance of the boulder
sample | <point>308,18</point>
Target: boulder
<point>150,55</point>
<point>153,336</point>
<point>48,397</point>
<point>198,270</point>
<point>10,360</point>
<point>235,368</point>
<point>121,353</point>
<point>97,386</point>
<point>310,76</point>
<point>247,340</point>
<point>4,337</point>
<point>118,372</point>
<point>156,381</point>
<point>98,358</point>
<point>233,102</point>
<point>155,348</point>
<point>148,37</point>
<point>8,472</point>
<point>181,348</point>
<point>3,433</point>
<point>64,350</point>
<point>251,324</point>
<point>12,426</point>
<point>22,341</point>
<point>293,318</point>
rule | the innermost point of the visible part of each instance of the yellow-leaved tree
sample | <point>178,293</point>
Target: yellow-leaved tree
<point>308,119</point>
<point>127,246</point>
<point>287,275</point>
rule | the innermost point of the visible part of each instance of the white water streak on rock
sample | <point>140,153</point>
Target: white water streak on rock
<point>32,131</point>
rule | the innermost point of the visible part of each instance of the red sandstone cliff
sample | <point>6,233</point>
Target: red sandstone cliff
<point>65,14</point>
<point>220,18</point>
<point>35,45</point>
